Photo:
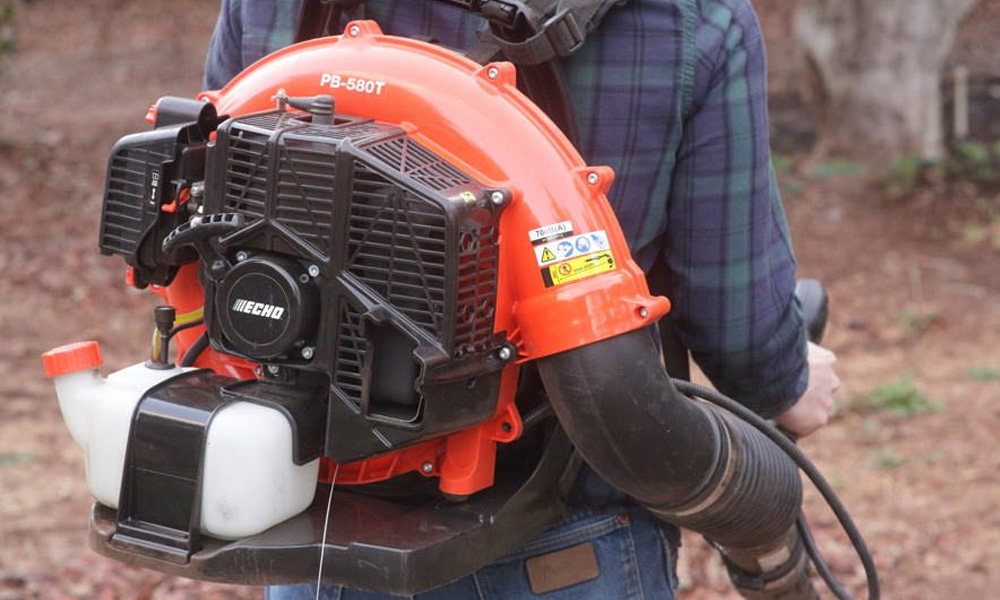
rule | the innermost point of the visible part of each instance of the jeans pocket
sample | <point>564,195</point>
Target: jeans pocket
<point>604,539</point>
<point>671,544</point>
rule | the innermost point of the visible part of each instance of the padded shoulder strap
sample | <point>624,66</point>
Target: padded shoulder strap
<point>318,18</point>
<point>556,28</point>
<point>528,32</point>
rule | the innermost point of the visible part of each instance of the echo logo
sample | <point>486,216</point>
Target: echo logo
<point>260,309</point>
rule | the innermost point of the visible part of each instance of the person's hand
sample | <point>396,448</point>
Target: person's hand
<point>812,411</point>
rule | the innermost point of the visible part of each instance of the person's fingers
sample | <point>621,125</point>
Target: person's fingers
<point>820,354</point>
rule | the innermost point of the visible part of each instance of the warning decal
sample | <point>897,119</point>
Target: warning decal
<point>570,247</point>
<point>578,268</point>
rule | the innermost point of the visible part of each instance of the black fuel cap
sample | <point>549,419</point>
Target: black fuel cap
<point>267,306</point>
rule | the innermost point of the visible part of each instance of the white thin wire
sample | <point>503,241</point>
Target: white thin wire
<point>326,528</point>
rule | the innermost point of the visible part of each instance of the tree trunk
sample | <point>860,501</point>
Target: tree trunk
<point>874,73</point>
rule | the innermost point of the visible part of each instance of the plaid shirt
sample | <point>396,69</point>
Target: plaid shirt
<point>671,94</point>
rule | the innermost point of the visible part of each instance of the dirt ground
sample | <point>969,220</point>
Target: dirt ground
<point>913,278</point>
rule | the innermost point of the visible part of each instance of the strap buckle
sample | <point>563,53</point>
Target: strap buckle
<point>564,33</point>
<point>552,37</point>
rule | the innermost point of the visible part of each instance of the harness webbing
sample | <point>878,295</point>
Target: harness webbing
<point>528,32</point>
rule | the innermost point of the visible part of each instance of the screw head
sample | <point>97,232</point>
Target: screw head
<point>505,354</point>
<point>427,467</point>
<point>354,31</point>
<point>493,72</point>
<point>497,198</point>
<point>308,352</point>
<point>313,271</point>
<point>241,256</point>
<point>643,312</point>
<point>273,369</point>
<point>593,178</point>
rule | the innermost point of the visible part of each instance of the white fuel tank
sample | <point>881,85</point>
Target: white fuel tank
<point>249,483</point>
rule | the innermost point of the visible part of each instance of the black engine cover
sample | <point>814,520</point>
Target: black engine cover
<point>362,257</point>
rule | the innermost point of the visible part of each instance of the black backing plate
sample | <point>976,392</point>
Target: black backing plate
<point>378,544</point>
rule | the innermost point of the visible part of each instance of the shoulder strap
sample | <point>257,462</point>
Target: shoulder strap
<point>528,33</point>
<point>553,28</point>
<point>318,18</point>
<point>675,355</point>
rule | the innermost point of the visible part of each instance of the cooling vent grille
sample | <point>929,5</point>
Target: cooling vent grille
<point>397,239</point>
<point>476,297</point>
<point>126,187</point>
<point>350,353</point>
<point>396,246</point>
<point>304,193</point>
<point>416,161</point>
<point>268,121</point>
<point>358,132</point>
<point>247,172</point>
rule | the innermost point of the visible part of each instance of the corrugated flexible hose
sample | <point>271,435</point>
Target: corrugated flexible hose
<point>722,472</point>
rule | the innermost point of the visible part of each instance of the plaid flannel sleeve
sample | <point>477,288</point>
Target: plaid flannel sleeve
<point>727,243</point>
<point>246,31</point>
<point>224,59</point>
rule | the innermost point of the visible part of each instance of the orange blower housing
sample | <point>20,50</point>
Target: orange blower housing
<point>546,245</point>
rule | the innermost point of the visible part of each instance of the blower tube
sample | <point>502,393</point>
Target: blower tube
<point>689,462</point>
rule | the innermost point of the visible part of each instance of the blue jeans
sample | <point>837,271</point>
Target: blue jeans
<point>636,557</point>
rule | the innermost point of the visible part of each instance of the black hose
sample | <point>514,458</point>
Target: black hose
<point>537,414</point>
<point>715,467</point>
<point>824,488</point>
<point>192,354</point>
<point>629,423</point>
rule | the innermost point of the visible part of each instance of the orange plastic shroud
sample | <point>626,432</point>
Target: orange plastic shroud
<point>566,276</point>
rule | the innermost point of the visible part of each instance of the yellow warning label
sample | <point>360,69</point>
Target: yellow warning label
<point>579,268</point>
<point>469,197</point>
<point>547,255</point>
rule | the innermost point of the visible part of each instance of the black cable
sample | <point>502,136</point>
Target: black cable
<point>824,488</point>
<point>821,567</point>
<point>192,353</point>
<point>180,328</point>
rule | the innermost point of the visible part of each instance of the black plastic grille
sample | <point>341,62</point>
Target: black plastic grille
<point>402,234</point>
<point>247,172</point>
<point>269,121</point>
<point>304,194</point>
<point>358,132</point>
<point>416,161</point>
<point>396,246</point>
<point>476,302</point>
<point>126,189</point>
<point>350,353</point>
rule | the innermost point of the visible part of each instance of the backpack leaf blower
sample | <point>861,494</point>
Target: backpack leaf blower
<point>365,246</point>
